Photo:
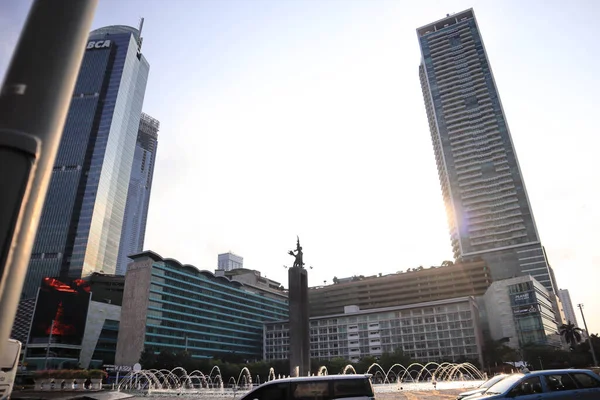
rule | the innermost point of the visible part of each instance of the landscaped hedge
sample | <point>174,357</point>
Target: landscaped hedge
<point>80,374</point>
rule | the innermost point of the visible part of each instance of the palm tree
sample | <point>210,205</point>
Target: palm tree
<point>571,333</point>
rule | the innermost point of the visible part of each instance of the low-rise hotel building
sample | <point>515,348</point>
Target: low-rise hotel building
<point>430,331</point>
<point>171,306</point>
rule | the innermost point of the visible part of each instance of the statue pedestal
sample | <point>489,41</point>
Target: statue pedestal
<point>299,323</point>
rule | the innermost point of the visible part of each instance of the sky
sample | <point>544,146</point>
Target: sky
<point>303,117</point>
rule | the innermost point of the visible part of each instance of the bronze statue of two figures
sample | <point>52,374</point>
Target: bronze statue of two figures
<point>298,261</point>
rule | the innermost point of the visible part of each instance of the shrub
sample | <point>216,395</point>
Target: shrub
<point>97,374</point>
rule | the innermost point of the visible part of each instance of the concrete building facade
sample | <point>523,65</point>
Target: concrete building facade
<point>229,261</point>
<point>252,278</point>
<point>415,286</point>
<point>569,310</point>
<point>431,331</point>
<point>489,212</point>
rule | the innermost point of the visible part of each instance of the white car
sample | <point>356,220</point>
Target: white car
<point>348,387</point>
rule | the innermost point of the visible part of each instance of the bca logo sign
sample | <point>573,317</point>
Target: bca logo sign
<point>100,44</point>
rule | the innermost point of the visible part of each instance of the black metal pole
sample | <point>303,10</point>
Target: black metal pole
<point>49,343</point>
<point>588,335</point>
<point>34,100</point>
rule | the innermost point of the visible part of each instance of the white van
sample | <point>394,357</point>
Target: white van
<point>329,387</point>
<point>9,362</point>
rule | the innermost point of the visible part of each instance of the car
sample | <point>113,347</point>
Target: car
<point>554,384</point>
<point>483,387</point>
<point>347,387</point>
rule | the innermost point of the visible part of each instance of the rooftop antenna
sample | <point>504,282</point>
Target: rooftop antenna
<point>140,40</point>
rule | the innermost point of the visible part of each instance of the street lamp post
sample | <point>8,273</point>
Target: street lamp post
<point>588,335</point>
<point>48,348</point>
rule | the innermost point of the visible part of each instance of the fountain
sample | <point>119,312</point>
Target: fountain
<point>415,377</point>
<point>347,368</point>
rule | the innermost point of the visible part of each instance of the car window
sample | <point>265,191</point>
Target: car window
<point>560,382</point>
<point>586,381</point>
<point>310,390</point>
<point>352,388</point>
<point>276,391</point>
<point>504,384</point>
<point>492,381</point>
<point>528,386</point>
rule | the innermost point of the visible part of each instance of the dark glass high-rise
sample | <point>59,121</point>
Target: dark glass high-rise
<point>80,228</point>
<point>138,195</point>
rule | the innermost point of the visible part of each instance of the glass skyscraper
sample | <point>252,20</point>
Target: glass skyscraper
<point>486,202</point>
<point>138,195</point>
<point>80,228</point>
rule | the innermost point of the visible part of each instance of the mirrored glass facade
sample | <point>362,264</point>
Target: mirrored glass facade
<point>80,228</point>
<point>488,210</point>
<point>138,195</point>
<point>521,310</point>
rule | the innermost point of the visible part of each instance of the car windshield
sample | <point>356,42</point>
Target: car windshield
<point>493,381</point>
<point>504,384</point>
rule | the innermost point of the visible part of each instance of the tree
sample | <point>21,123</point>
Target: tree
<point>166,359</point>
<point>148,358</point>
<point>571,333</point>
<point>496,352</point>
<point>336,365</point>
<point>583,348</point>
<point>363,365</point>
<point>387,360</point>
<point>336,280</point>
<point>447,263</point>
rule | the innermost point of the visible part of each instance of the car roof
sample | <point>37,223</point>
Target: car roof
<point>320,378</point>
<point>558,371</point>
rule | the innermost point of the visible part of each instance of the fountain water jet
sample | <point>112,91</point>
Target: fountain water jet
<point>179,382</point>
<point>347,368</point>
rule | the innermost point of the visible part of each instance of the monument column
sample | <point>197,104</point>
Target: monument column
<point>299,326</point>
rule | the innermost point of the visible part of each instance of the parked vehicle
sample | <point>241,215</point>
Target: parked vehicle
<point>329,387</point>
<point>558,384</point>
<point>483,387</point>
<point>9,363</point>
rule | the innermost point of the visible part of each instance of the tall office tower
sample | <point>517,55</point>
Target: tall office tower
<point>80,228</point>
<point>565,299</point>
<point>486,202</point>
<point>138,195</point>
<point>229,261</point>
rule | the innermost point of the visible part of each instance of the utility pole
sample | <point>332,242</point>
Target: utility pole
<point>580,305</point>
<point>34,101</point>
<point>49,342</point>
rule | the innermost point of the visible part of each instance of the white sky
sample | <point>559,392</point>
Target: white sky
<point>285,118</point>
